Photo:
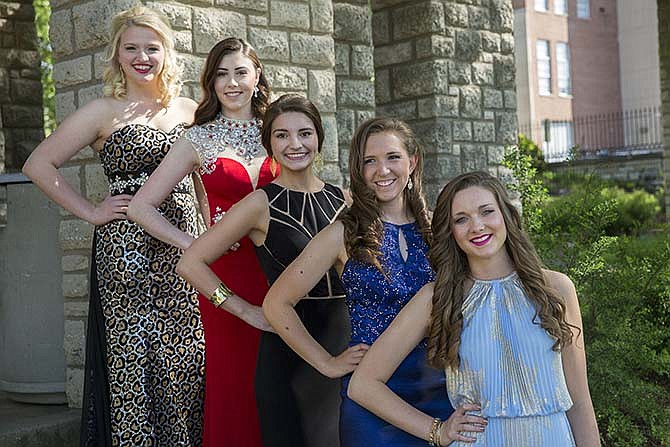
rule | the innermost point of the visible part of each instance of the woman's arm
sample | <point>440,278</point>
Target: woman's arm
<point>581,415</point>
<point>249,217</point>
<point>180,161</point>
<point>77,131</point>
<point>324,251</point>
<point>368,384</point>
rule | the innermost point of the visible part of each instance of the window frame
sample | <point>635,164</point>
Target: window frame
<point>564,10</point>
<point>584,9</point>
<point>544,8</point>
<point>545,58</point>
<point>563,69</point>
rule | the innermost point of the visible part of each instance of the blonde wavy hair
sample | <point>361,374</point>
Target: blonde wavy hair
<point>169,77</point>
<point>452,269</point>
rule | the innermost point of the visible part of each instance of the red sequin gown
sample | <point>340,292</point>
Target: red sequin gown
<point>231,345</point>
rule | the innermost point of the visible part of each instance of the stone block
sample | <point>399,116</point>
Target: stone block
<point>383,86</point>
<point>17,10</point>
<point>183,41</point>
<point>405,110</point>
<point>71,175</point>
<point>363,115</point>
<point>270,45</point>
<point>321,12</point>
<point>322,89</point>
<point>73,263</point>
<point>191,66</point>
<point>60,33</point>
<point>95,181</point>
<point>459,72</point>
<point>331,173</point>
<point>75,234</point>
<point>312,50</point>
<point>346,124</point>
<point>503,71</point>
<point>26,91</point>
<point>20,116</point>
<point>64,105</point>
<point>286,77</point>
<point>502,15</point>
<point>470,102</point>
<point>506,127</point>
<point>4,87</point>
<point>438,106</point>
<point>355,93</point>
<point>352,23</point>
<point>473,157</point>
<point>88,17</point>
<point>393,54</point>
<point>423,78</point>
<point>14,58</point>
<point>75,285</point>
<point>330,143</point>
<point>261,21</point>
<point>418,19</point>
<point>510,99</point>
<point>76,310</point>
<point>254,5</point>
<point>362,61</point>
<point>342,59</point>
<point>490,41</point>
<point>438,169</point>
<point>434,135</point>
<point>482,73</point>
<point>381,28</point>
<point>179,16</point>
<point>478,17</point>
<point>484,131</point>
<point>88,94</point>
<point>434,46</point>
<point>496,154</point>
<point>74,342</point>
<point>493,99</point>
<point>99,64</point>
<point>72,72</point>
<point>456,14</point>
<point>507,43</point>
<point>212,25</point>
<point>74,387</point>
<point>30,73</point>
<point>462,130</point>
<point>289,15</point>
<point>468,45</point>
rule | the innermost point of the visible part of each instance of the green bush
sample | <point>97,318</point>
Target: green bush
<point>623,282</point>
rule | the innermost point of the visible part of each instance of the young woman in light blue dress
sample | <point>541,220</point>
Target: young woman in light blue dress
<point>507,332</point>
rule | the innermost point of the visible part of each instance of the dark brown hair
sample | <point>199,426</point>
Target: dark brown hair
<point>209,106</point>
<point>451,270</point>
<point>363,228</point>
<point>290,102</point>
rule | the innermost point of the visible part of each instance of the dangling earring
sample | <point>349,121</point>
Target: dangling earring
<point>410,184</point>
<point>256,91</point>
<point>317,164</point>
<point>273,166</point>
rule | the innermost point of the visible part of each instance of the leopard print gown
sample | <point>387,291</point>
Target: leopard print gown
<point>144,380</point>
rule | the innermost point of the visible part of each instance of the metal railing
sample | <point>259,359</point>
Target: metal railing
<point>624,133</point>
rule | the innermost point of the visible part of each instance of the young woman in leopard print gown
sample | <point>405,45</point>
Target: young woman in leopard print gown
<point>144,374</point>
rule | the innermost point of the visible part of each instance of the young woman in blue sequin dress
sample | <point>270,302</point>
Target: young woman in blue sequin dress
<point>379,249</point>
<point>507,332</point>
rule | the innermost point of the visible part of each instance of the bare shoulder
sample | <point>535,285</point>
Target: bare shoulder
<point>254,202</point>
<point>424,297</point>
<point>563,284</point>
<point>185,108</point>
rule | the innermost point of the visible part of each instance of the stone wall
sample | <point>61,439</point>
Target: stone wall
<point>447,66</point>
<point>21,115</point>
<point>664,58</point>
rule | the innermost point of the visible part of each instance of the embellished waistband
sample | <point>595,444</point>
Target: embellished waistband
<point>131,182</point>
<point>327,297</point>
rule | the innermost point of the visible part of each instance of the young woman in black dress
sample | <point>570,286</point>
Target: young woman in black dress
<point>297,405</point>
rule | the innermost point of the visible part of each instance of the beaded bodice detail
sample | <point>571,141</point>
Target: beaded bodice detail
<point>373,300</point>
<point>212,138</point>
<point>507,364</point>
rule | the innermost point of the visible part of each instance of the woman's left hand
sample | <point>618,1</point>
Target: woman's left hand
<point>460,422</point>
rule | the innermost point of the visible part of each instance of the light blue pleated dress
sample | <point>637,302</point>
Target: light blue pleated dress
<point>507,367</point>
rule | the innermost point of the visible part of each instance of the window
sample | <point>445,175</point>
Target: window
<point>561,7</point>
<point>583,9</point>
<point>541,5</point>
<point>557,140</point>
<point>543,68</point>
<point>563,69</point>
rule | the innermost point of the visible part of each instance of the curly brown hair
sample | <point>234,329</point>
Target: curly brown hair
<point>209,106</point>
<point>363,229</point>
<point>451,270</point>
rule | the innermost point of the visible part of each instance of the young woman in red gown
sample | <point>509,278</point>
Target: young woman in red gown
<point>224,146</point>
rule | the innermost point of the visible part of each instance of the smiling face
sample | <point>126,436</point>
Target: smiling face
<point>294,141</point>
<point>387,166</point>
<point>478,225</point>
<point>234,85</point>
<point>141,54</point>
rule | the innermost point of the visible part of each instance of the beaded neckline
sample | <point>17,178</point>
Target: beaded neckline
<point>242,135</point>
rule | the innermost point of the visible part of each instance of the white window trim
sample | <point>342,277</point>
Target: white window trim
<point>563,12</point>
<point>588,9</point>
<point>546,60</point>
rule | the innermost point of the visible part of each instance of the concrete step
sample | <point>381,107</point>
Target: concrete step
<point>31,425</point>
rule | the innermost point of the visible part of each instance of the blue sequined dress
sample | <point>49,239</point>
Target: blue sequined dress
<point>507,367</point>
<point>373,303</point>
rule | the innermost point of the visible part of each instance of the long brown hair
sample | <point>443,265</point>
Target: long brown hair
<point>290,102</point>
<point>451,270</point>
<point>209,106</point>
<point>363,228</point>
